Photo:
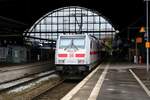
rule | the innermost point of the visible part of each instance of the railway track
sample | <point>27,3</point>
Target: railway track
<point>18,82</point>
<point>9,74</point>
<point>29,87</point>
<point>38,87</point>
<point>57,92</point>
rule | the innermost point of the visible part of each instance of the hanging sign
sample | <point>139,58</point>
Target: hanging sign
<point>142,29</point>
<point>147,44</point>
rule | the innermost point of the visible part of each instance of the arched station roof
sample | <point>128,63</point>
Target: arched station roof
<point>122,13</point>
<point>70,20</point>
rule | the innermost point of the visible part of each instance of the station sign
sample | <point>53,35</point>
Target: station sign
<point>147,44</point>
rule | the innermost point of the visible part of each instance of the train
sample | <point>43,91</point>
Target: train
<point>77,54</point>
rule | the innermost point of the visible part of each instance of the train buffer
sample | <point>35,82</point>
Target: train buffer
<point>113,82</point>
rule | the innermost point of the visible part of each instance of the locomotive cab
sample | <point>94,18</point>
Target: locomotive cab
<point>76,54</point>
<point>71,53</point>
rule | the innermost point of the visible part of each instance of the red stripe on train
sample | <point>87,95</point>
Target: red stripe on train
<point>80,55</point>
<point>62,55</point>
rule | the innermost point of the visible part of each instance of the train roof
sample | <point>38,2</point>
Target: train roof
<point>78,35</point>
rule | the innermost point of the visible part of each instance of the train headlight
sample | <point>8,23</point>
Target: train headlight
<point>80,61</point>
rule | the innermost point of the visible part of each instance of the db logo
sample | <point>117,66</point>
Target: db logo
<point>71,55</point>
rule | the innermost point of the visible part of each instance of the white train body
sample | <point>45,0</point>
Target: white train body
<point>76,53</point>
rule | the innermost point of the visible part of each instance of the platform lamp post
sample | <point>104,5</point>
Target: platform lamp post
<point>147,29</point>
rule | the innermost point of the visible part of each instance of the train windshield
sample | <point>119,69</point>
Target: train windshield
<point>72,42</point>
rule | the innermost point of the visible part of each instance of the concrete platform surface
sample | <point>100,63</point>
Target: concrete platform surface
<point>113,82</point>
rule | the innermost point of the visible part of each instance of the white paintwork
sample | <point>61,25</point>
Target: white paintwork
<point>96,90</point>
<point>141,83</point>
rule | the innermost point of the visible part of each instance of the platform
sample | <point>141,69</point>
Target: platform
<point>113,82</point>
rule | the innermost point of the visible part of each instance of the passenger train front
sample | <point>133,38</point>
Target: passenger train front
<point>76,54</point>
